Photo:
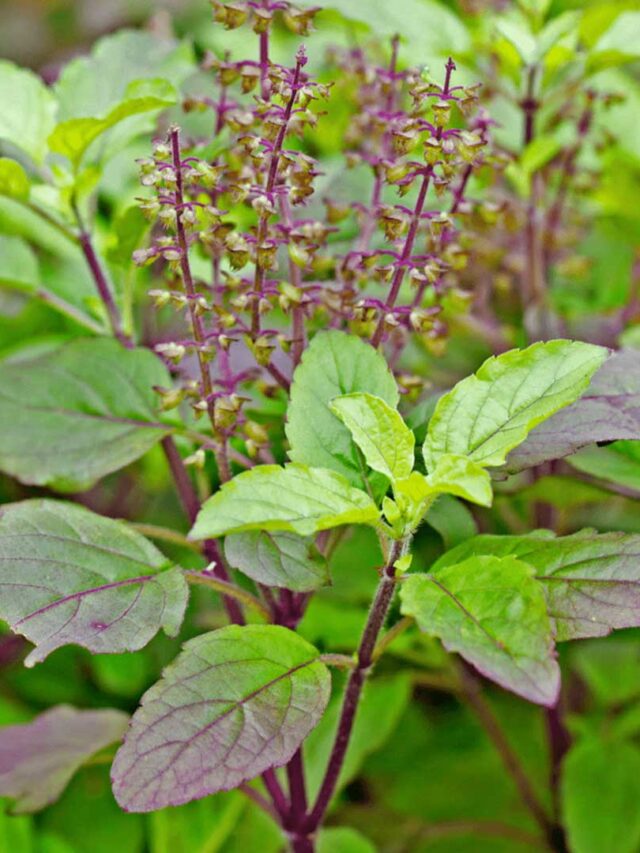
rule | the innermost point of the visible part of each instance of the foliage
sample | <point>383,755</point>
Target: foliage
<point>319,452</point>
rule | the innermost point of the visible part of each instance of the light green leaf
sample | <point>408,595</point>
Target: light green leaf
<point>71,576</point>
<point>429,30</point>
<point>14,181</point>
<point>618,462</point>
<point>334,364</point>
<point>492,611</point>
<point>204,826</point>
<point>93,85</point>
<point>18,264</point>
<point>27,110</point>
<point>619,44</point>
<point>71,416</point>
<point>538,153</point>
<point>488,414</point>
<point>73,137</point>
<point>414,495</point>
<point>343,839</point>
<point>234,703</point>
<point>600,793</point>
<point>277,559</point>
<point>459,476</point>
<point>379,431</point>
<point>296,498</point>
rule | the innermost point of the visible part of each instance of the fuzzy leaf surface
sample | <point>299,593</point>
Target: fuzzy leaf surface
<point>71,416</point>
<point>277,559</point>
<point>488,414</point>
<point>492,612</point>
<point>234,703</point>
<point>71,576</point>
<point>591,580</point>
<point>609,410</point>
<point>379,431</point>
<point>295,498</point>
<point>334,364</point>
<point>38,759</point>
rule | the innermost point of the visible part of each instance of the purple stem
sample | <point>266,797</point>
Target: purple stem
<point>357,678</point>
<point>101,283</point>
<point>400,266</point>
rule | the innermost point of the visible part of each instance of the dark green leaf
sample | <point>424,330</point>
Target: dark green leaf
<point>74,415</point>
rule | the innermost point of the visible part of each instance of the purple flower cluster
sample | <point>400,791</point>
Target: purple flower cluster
<point>280,264</point>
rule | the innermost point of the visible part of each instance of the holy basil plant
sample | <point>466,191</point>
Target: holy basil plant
<point>240,477</point>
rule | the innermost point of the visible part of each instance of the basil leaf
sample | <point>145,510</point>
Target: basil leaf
<point>71,576</point>
<point>379,431</point>
<point>295,498</point>
<point>234,703</point>
<point>488,414</point>
<point>492,611</point>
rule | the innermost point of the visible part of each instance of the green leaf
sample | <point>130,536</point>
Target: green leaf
<point>205,826</point>
<point>600,793</point>
<point>18,264</point>
<point>296,498</point>
<point>618,45</point>
<point>428,29</point>
<point>452,520</point>
<point>491,611</point>
<point>488,414</point>
<point>73,137</point>
<point>277,559</point>
<point>379,431</point>
<point>27,110</point>
<point>459,476</point>
<point>95,84</point>
<point>14,181</point>
<point>343,839</point>
<point>591,580</point>
<point>617,463</point>
<point>234,703</point>
<point>71,416</point>
<point>334,364</point>
<point>71,576</point>
<point>38,759</point>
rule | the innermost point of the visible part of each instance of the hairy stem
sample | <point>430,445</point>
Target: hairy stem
<point>357,678</point>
